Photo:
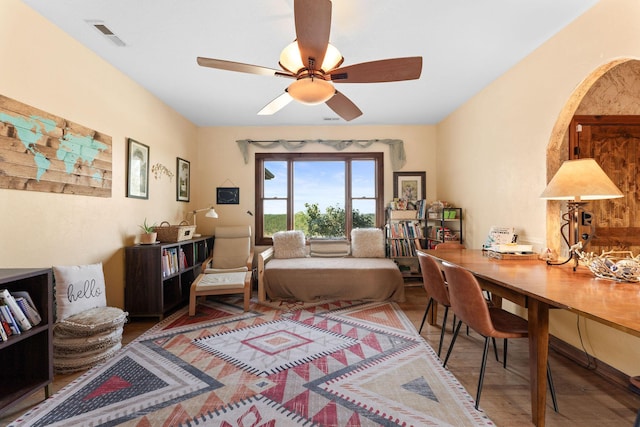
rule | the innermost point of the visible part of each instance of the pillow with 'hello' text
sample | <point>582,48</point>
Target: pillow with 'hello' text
<point>78,288</point>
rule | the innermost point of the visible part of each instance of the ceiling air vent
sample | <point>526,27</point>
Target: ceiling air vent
<point>105,31</point>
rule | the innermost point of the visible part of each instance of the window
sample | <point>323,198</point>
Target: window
<point>323,194</point>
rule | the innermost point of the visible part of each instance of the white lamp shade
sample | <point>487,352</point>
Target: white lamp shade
<point>291,61</point>
<point>311,91</point>
<point>211,213</point>
<point>581,179</point>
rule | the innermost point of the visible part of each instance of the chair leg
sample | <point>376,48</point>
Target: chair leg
<point>192,304</point>
<point>552,388</point>
<point>504,354</point>
<point>453,341</point>
<point>425,314</point>
<point>444,323</point>
<point>482,369</point>
<point>495,348</point>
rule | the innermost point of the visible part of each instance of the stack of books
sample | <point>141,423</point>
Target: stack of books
<point>18,313</point>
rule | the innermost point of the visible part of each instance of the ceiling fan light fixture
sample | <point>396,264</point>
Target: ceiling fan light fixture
<point>291,60</point>
<point>311,91</point>
<point>332,59</point>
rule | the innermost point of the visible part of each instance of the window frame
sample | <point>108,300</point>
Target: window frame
<point>290,158</point>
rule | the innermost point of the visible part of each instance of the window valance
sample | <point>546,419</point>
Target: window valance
<point>396,146</point>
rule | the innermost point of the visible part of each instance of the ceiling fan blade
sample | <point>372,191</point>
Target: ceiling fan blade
<point>385,70</point>
<point>313,26</point>
<point>221,64</point>
<point>343,107</point>
<point>276,105</point>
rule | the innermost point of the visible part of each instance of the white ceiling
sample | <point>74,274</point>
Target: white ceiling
<point>465,45</point>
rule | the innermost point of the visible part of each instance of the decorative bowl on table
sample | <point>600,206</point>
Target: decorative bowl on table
<point>614,265</point>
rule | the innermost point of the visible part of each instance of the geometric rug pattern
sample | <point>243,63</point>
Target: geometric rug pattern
<point>332,363</point>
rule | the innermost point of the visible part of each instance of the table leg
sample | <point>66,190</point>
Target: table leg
<point>538,354</point>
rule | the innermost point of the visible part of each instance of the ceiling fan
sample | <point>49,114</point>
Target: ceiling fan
<point>313,63</point>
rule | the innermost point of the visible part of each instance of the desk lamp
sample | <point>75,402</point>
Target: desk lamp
<point>211,213</point>
<point>579,181</point>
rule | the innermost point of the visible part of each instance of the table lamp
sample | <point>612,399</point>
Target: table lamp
<point>579,181</point>
<point>211,213</point>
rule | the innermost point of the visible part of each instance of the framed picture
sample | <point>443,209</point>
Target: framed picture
<point>137,170</point>
<point>410,186</point>
<point>183,183</point>
<point>228,196</point>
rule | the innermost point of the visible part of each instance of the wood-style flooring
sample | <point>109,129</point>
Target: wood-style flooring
<point>584,398</point>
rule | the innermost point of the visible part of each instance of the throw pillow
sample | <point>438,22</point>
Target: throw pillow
<point>367,243</point>
<point>289,244</point>
<point>78,288</point>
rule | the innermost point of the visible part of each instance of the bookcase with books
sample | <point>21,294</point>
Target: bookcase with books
<point>26,347</point>
<point>158,276</point>
<point>405,233</point>
<point>443,225</point>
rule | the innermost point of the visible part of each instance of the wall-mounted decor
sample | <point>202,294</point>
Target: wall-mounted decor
<point>183,182</point>
<point>159,169</point>
<point>227,195</point>
<point>410,186</point>
<point>43,152</point>
<point>137,170</point>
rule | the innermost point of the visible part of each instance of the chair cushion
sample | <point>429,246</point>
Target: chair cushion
<point>221,281</point>
<point>78,288</point>
<point>367,243</point>
<point>231,247</point>
<point>289,244</point>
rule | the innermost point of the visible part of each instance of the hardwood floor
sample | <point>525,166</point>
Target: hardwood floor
<point>584,398</point>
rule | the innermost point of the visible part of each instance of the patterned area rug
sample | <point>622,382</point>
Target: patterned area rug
<point>324,364</point>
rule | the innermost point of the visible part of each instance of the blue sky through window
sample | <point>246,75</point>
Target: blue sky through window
<point>321,182</point>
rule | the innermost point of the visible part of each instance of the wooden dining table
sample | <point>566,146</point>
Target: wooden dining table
<point>538,287</point>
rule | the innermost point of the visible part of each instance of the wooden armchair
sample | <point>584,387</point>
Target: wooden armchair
<point>229,269</point>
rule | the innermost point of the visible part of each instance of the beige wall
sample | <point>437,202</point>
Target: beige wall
<point>497,144</point>
<point>45,68</point>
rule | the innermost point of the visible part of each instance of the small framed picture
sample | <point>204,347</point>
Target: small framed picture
<point>410,186</point>
<point>228,196</point>
<point>137,170</point>
<point>183,183</point>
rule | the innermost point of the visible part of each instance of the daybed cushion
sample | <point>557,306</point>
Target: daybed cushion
<point>329,248</point>
<point>78,288</point>
<point>289,244</point>
<point>367,243</point>
<point>311,279</point>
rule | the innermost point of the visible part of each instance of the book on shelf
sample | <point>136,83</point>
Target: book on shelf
<point>170,262</point>
<point>3,333</point>
<point>16,311</point>
<point>4,324</point>
<point>28,307</point>
<point>9,319</point>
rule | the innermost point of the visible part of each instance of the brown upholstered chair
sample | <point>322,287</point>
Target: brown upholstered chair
<point>469,305</point>
<point>436,289</point>
<point>229,269</point>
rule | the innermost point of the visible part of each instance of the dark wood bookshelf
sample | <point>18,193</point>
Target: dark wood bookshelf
<point>27,358</point>
<point>150,290</point>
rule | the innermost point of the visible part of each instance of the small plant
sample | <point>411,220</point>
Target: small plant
<point>148,228</point>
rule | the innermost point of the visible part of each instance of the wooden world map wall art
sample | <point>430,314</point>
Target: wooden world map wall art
<point>42,152</point>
